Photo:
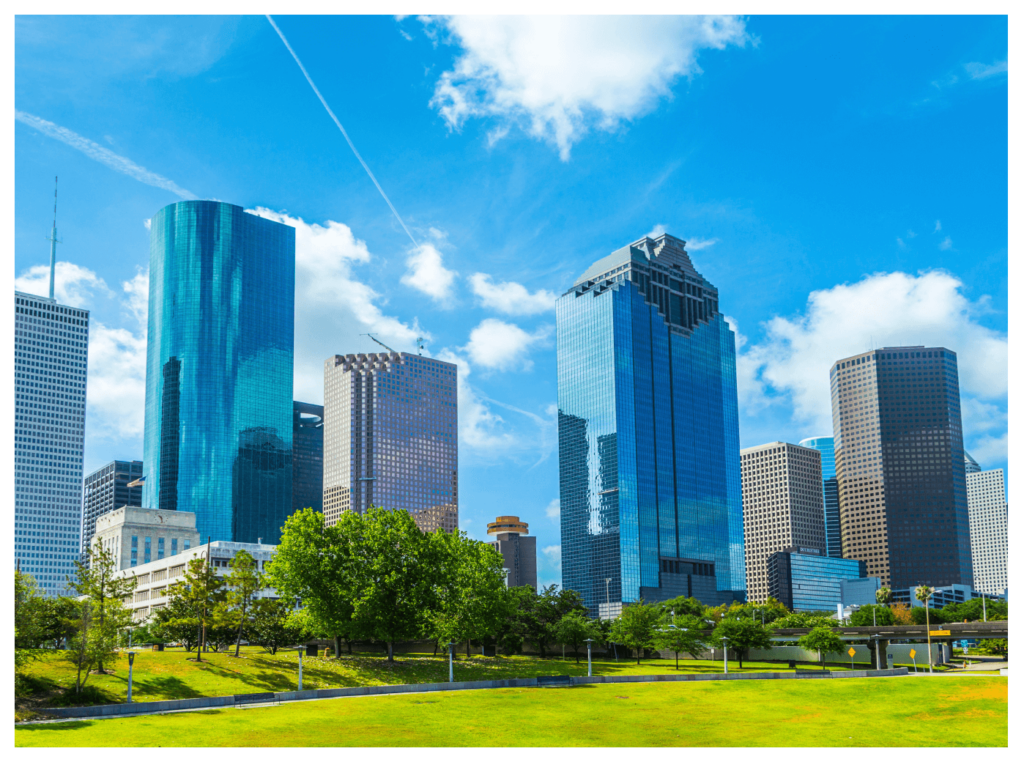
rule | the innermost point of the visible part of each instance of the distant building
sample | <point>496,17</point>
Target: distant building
<point>136,536</point>
<point>899,461</point>
<point>970,464</point>
<point>648,432</point>
<point>51,357</point>
<point>106,489</point>
<point>518,550</point>
<point>803,579</point>
<point>943,596</point>
<point>830,492</point>
<point>307,456</point>
<point>987,509</point>
<point>219,369</point>
<point>782,507</point>
<point>391,437</point>
<point>860,592</point>
<point>153,579</point>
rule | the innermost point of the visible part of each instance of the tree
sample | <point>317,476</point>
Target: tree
<point>244,582</point>
<point>392,590</point>
<point>924,593</point>
<point>869,616</point>
<point>824,640</point>
<point>316,564</point>
<point>883,595</point>
<point>201,590</point>
<point>272,626</point>
<point>81,650</point>
<point>574,629</point>
<point>743,634</point>
<point>766,612</point>
<point>518,606</point>
<point>97,582</point>
<point>178,622</point>
<point>546,610</point>
<point>636,627</point>
<point>801,619</point>
<point>901,614</point>
<point>683,633</point>
<point>28,604</point>
<point>974,611</point>
<point>684,605</point>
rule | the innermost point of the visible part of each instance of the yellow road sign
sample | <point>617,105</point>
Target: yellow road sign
<point>913,654</point>
<point>936,633</point>
<point>851,652</point>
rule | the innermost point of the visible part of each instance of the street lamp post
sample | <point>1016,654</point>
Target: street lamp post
<point>131,661</point>
<point>589,671</point>
<point>301,649</point>
<point>725,654</point>
<point>451,669</point>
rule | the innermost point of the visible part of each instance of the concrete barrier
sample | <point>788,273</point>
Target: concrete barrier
<point>213,702</point>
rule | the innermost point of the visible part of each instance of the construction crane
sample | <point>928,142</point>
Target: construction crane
<point>378,341</point>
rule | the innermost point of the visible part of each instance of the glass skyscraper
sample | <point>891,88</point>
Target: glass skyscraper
<point>648,433</point>
<point>830,489</point>
<point>900,465</point>
<point>51,353</point>
<point>219,373</point>
<point>307,456</point>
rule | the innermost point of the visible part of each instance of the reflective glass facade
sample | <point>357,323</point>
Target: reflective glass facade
<point>51,353</point>
<point>649,471</point>
<point>391,437</point>
<point>900,465</point>
<point>218,433</point>
<point>307,456</point>
<point>810,582</point>
<point>830,490</point>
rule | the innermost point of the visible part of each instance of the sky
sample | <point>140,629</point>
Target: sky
<point>842,181</point>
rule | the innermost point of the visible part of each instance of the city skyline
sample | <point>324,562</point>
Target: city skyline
<point>929,240</point>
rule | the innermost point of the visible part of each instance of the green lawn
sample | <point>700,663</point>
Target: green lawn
<point>174,674</point>
<point>948,711</point>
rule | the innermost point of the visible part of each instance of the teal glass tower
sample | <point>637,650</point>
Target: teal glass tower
<point>648,433</point>
<point>830,489</point>
<point>219,369</point>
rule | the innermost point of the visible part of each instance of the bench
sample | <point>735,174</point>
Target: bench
<point>554,681</point>
<point>253,698</point>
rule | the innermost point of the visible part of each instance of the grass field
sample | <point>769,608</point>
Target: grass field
<point>173,675</point>
<point>890,712</point>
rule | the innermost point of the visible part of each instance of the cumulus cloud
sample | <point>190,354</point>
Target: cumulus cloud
<point>983,71</point>
<point>553,554</point>
<point>696,244</point>
<point>497,345</point>
<point>480,428</point>
<point>554,510</point>
<point>947,244</point>
<point>331,307</point>
<point>72,284</point>
<point>96,152</point>
<point>509,297</point>
<point>560,76</point>
<point>938,226</point>
<point>656,231</point>
<point>885,309</point>
<point>425,271</point>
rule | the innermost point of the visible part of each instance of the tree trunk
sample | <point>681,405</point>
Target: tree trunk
<point>199,641</point>
<point>468,654</point>
<point>391,652</point>
<point>435,647</point>
<point>677,660</point>
<point>238,640</point>
<point>337,646</point>
<point>638,652</point>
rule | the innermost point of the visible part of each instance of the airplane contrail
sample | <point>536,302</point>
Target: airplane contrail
<point>337,122</point>
<point>102,155</point>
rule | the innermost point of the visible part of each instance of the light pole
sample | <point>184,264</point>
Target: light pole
<point>984,609</point>
<point>589,671</point>
<point>131,661</point>
<point>301,649</point>
<point>451,669</point>
<point>725,654</point>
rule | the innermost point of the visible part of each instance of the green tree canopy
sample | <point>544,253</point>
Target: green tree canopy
<point>272,626</point>
<point>99,584</point>
<point>637,626</point>
<point>201,592</point>
<point>824,640</point>
<point>868,616</point>
<point>574,629</point>
<point>243,582</point>
<point>743,634</point>
<point>683,633</point>
<point>684,606</point>
<point>801,619</point>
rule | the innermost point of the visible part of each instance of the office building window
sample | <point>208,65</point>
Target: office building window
<point>174,546</point>
<point>147,551</point>
<point>160,547</point>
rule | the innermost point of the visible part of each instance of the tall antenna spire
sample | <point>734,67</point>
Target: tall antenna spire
<point>53,239</point>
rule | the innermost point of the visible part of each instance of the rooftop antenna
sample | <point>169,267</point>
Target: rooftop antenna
<point>378,341</point>
<point>53,239</point>
<point>419,344</point>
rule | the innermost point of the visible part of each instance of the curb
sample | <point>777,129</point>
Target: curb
<point>248,699</point>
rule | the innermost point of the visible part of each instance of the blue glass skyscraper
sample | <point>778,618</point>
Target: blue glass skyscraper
<point>830,488</point>
<point>648,432</point>
<point>218,432</point>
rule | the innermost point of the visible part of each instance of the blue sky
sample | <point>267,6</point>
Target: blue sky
<point>842,181</point>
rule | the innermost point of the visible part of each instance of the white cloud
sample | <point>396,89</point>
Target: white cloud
<point>511,298</point>
<point>103,155</point>
<point>947,244</point>
<point>554,511</point>
<point>696,244</point>
<point>331,307</point>
<point>886,309</point>
<point>657,230</point>
<point>982,71</point>
<point>911,234</point>
<point>899,242</point>
<point>497,345</point>
<point>147,223</point>
<point>985,430</point>
<point>989,448</point>
<point>559,76</point>
<point>117,382</point>
<point>479,427</point>
<point>553,554</point>
<point>426,272</point>
<point>938,226</point>
<point>72,284</point>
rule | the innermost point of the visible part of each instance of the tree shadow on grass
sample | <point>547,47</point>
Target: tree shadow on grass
<point>55,726</point>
